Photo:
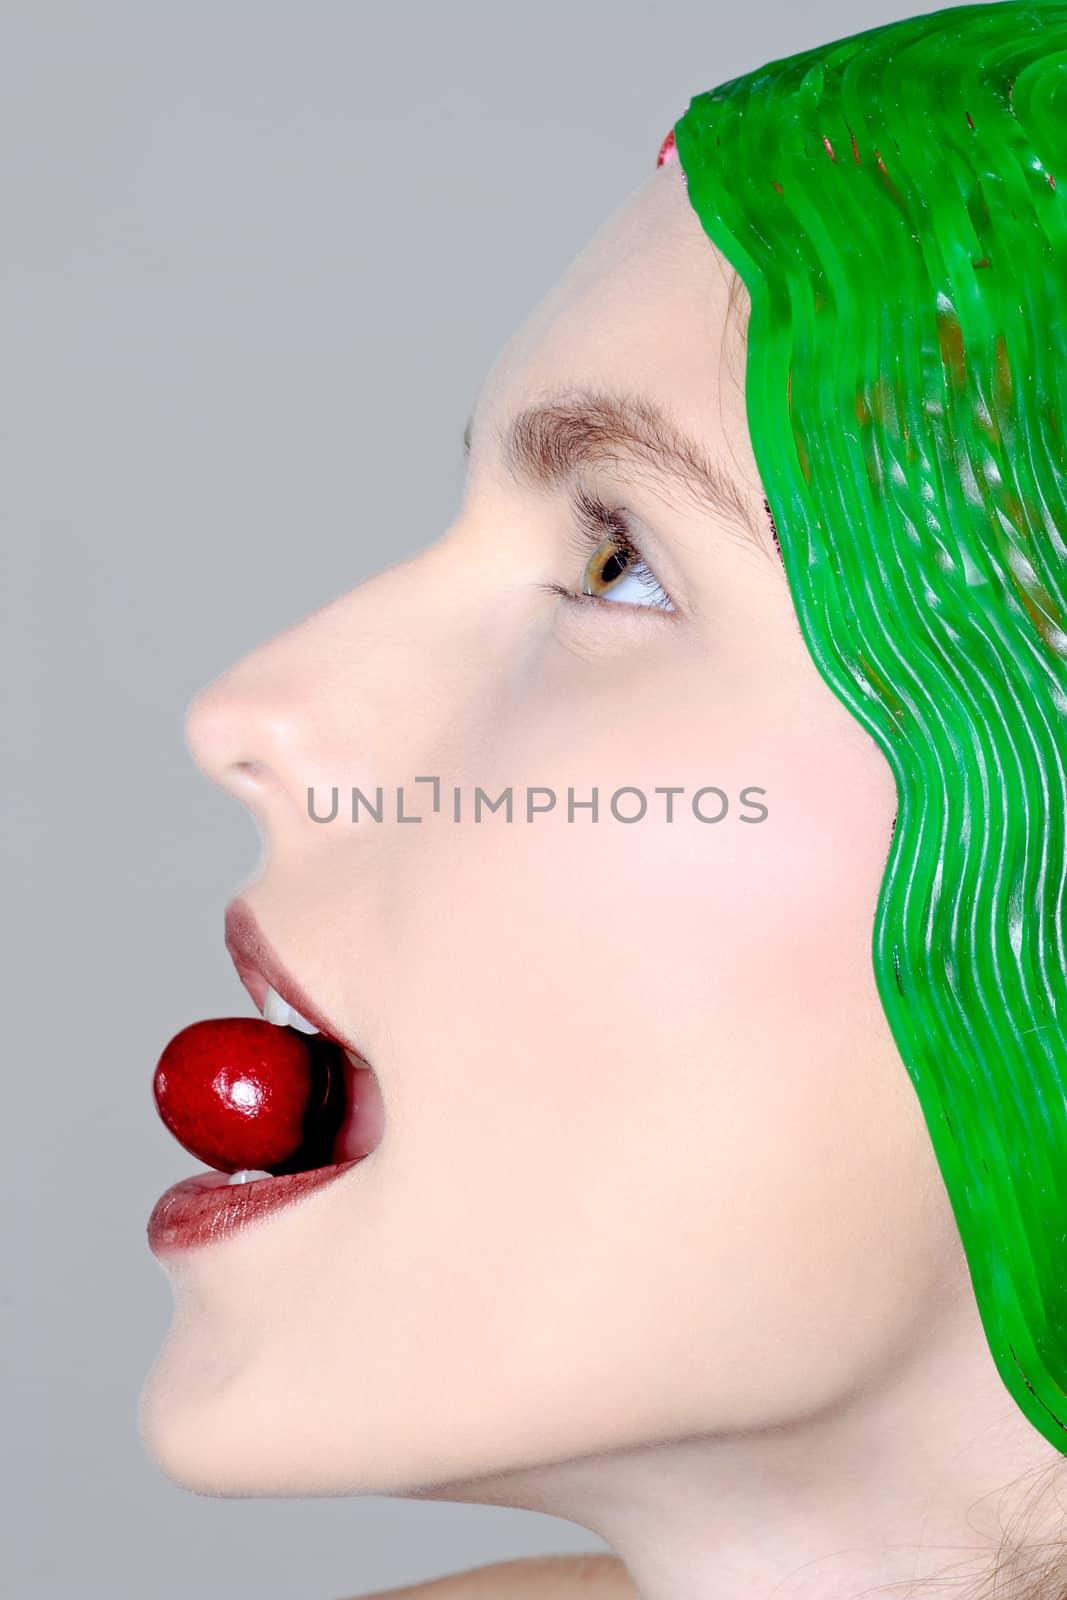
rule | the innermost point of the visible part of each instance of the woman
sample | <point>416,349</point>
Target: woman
<point>692,1213</point>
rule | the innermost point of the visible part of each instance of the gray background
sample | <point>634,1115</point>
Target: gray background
<point>256,260</point>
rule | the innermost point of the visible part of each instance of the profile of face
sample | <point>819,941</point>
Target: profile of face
<point>651,1165</point>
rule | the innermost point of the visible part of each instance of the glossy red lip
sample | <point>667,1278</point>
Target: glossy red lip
<point>207,1206</point>
<point>258,966</point>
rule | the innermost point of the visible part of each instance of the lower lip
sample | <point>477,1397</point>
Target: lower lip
<point>207,1206</point>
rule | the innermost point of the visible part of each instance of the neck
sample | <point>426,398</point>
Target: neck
<point>931,1477</point>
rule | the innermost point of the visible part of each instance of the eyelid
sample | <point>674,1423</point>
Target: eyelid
<point>596,520</point>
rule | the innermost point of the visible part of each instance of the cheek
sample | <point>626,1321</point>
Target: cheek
<point>546,961</point>
<point>766,919</point>
<point>598,997</point>
<point>800,889</point>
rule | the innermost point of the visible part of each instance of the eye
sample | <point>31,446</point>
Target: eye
<point>615,569</point>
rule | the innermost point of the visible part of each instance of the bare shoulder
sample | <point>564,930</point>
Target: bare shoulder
<point>591,1575</point>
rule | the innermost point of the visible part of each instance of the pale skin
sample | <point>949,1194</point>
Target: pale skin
<point>655,1240</point>
<point>592,1576</point>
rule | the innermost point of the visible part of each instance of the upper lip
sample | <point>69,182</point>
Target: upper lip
<point>257,966</point>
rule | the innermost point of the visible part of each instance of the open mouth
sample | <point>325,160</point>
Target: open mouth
<point>277,1105</point>
<point>346,1115</point>
<point>268,1097</point>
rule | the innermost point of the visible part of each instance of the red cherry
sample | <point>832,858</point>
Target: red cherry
<point>235,1091</point>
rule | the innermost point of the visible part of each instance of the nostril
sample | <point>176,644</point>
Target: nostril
<point>223,729</point>
<point>250,746</point>
<point>257,784</point>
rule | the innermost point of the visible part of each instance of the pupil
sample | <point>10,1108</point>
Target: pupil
<point>613,567</point>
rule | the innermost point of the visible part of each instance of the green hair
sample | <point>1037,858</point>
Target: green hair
<point>890,201</point>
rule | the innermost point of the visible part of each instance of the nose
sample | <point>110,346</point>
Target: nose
<point>327,702</point>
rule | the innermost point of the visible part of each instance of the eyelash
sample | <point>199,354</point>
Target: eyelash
<point>595,522</point>
<point>774,530</point>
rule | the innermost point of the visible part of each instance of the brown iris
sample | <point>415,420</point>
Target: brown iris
<point>606,565</point>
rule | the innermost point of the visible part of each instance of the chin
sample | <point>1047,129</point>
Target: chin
<point>181,1435</point>
<point>210,1454</point>
<point>193,1425</point>
<point>232,1437</point>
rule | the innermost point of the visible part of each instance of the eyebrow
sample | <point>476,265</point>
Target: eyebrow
<point>545,444</point>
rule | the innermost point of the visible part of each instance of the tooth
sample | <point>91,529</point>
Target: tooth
<point>283,1015</point>
<point>246,1175</point>
<point>301,1024</point>
<point>275,1009</point>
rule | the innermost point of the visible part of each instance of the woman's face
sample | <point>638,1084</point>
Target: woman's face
<point>651,1163</point>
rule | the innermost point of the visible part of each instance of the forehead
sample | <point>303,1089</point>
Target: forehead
<point>642,309</point>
